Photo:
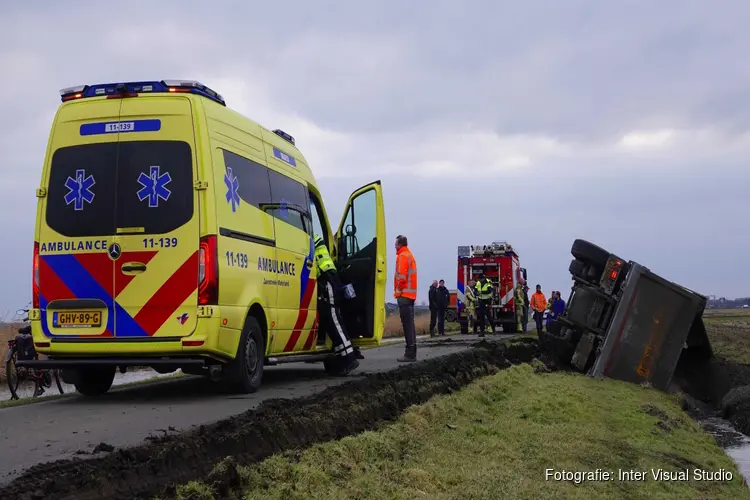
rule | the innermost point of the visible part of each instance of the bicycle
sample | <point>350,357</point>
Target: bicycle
<point>22,348</point>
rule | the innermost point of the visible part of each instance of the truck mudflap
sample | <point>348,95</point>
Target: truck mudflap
<point>654,323</point>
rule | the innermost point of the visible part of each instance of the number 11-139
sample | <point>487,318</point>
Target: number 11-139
<point>237,259</point>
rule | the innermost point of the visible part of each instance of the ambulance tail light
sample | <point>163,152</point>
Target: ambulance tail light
<point>35,278</point>
<point>208,272</point>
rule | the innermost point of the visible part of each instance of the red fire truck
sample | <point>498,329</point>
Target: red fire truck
<point>498,262</point>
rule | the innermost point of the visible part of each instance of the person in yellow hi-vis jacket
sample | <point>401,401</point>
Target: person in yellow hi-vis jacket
<point>470,300</point>
<point>329,292</point>
<point>520,304</point>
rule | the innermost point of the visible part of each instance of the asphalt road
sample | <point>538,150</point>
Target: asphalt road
<point>56,429</point>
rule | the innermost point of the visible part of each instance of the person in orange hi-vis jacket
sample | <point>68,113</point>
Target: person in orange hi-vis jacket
<point>538,305</point>
<point>405,293</point>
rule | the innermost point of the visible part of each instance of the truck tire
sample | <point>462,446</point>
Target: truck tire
<point>577,268</point>
<point>93,381</point>
<point>450,315</point>
<point>245,372</point>
<point>589,253</point>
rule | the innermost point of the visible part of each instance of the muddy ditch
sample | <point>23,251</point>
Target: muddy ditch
<point>276,426</point>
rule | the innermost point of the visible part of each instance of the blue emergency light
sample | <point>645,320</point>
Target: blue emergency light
<point>132,89</point>
<point>284,135</point>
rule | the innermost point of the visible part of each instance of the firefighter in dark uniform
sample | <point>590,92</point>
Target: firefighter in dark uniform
<point>484,304</point>
<point>329,292</point>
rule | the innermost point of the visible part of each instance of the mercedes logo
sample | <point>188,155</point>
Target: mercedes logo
<point>114,251</point>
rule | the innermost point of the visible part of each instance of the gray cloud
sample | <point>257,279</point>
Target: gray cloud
<point>414,93</point>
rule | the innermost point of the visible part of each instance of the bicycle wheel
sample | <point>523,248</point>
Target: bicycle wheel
<point>58,377</point>
<point>11,374</point>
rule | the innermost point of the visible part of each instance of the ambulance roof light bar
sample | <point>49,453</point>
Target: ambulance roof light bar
<point>284,135</point>
<point>132,89</point>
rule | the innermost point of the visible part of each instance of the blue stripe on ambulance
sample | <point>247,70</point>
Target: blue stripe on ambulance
<point>305,274</point>
<point>83,285</point>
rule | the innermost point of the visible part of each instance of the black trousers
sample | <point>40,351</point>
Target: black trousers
<point>538,317</point>
<point>329,291</point>
<point>406,311</point>
<point>441,321</point>
<point>483,314</point>
<point>433,319</point>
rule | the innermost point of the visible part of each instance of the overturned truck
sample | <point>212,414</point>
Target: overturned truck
<point>625,322</point>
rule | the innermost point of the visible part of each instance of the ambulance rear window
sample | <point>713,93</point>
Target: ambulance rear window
<point>154,185</point>
<point>79,192</point>
<point>95,188</point>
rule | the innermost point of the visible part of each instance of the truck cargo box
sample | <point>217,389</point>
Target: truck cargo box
<point>650,329</point>
<point>626,322</point>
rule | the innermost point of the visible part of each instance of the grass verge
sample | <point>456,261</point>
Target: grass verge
<point>393,326</point>
<point>730,338</point>
<point>495,439</point>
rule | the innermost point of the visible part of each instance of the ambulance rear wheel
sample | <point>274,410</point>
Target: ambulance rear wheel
<point>95,380</point>
<point>245,372</point>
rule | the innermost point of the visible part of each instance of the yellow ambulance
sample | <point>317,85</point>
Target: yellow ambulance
<point>173,232</point>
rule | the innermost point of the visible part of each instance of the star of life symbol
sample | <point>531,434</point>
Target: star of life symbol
<point>79,189</point>
<point>154,186</point>
<point>284,209</point>
<point>233,189</point>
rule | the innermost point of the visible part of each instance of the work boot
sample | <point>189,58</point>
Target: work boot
<point>351,366</point>
<point>406,359</point>
<point>358,354</point>
<point>347,365</point>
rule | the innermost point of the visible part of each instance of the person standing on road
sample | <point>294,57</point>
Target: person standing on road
<point>329,292</point>
<point>443,298</point>
<point>525,305</point>
<point>558,307</point>
<point>433,306</point>
<point>405,293</point>
<point>538,305</point>
<point>484,287</point>
<point>470,302</point>
<point>520,305</point>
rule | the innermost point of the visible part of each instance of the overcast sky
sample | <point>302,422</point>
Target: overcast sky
<point>625,123</point>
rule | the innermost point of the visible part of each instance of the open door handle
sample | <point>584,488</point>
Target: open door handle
<point>133,267</point>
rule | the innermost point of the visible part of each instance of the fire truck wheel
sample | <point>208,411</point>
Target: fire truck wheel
<point>450,315</point>
<point>589,253</point>
<point>464,324</point>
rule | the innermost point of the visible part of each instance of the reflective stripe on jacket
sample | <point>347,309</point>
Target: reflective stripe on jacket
<point>538,302</point>
<point>405,279</point>
<point>485,290</point>
<point>322,257</point>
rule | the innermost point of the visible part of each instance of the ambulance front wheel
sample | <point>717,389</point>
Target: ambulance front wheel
<point>245,372</point>
<point>93,381</point>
